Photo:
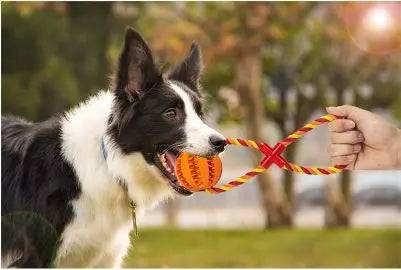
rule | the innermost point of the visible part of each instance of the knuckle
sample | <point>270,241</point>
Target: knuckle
<point>358,137</point>
<point>337,125</point>
<point>347,107</point>
<point>341,124</point>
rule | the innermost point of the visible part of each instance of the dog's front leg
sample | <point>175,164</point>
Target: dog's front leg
<point>113,255</point>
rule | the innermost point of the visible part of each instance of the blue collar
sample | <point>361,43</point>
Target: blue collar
<point>103,147</point>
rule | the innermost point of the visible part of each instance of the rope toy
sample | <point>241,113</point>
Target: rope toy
<point>197,177</point>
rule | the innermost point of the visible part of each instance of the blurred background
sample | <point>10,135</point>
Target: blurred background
<point>269,69</point>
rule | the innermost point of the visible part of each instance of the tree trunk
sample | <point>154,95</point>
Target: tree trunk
<point>288,213</point>
<point>339,210</point>
<point>249,77</point>
<point>91,29</point>
<point>253,20</point>
<point>344,217</point>
<point>170,210</point>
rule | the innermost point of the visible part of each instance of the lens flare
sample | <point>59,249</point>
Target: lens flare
<point>374,27</point>
<point>378,19</point>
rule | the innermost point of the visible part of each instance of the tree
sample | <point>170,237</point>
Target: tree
<point>90,28</point>
<point>253,17</point>
<point>291,40</point>
<point>222,29</point>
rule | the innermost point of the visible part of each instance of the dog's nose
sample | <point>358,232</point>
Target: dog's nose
<point>218,143</point>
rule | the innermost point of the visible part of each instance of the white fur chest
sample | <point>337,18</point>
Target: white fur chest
<point>98,235</point>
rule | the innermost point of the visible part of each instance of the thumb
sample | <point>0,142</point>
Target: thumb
<point>347,111</point>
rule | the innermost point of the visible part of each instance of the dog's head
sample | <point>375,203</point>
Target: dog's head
<point>160,115</point>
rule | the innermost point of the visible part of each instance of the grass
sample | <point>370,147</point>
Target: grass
<point>271,248</point>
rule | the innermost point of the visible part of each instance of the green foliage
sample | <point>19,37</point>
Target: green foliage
<point>49,65</point>
<point>273,248</point>
<point>64,52</point>
<point>37,82</point>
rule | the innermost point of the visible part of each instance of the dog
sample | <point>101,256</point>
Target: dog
<point>76,176</point>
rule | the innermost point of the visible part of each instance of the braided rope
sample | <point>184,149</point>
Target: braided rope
<point>284,164</point>
<point>308,127</point>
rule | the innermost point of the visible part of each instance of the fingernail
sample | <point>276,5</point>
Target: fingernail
<point>350,158</point>
<point>360,137</point>
<point>349,124</point>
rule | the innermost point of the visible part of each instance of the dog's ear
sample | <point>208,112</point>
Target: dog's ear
<point>136,69</point>
<point>190,69</point>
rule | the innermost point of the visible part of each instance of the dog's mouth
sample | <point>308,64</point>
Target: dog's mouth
<point>165,161</point>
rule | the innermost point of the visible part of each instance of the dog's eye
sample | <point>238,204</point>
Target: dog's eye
<point>170,114</point>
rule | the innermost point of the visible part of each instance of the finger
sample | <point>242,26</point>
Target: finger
<point>351,112</point>
<point>344,160</point>
<point>343,110</point>
<point>348,137</point>
<point>336,150</point>
<point>341,125</point>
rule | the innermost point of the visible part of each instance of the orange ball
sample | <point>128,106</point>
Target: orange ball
<point>197,173</point>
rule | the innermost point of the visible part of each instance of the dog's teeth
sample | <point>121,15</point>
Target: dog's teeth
<point>163,161</point>
<point>165,165</point>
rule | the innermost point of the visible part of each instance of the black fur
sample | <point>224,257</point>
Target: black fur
<point>142,95</point>
<point>190,69</point>
<point>37,182</point>
<point>35,179</point>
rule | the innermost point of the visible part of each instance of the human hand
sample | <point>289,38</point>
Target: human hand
<point>363,140</point>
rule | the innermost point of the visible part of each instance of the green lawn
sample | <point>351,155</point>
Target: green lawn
<point>272,248</point>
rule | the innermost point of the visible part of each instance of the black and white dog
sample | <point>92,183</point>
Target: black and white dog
<point>80,171</point>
